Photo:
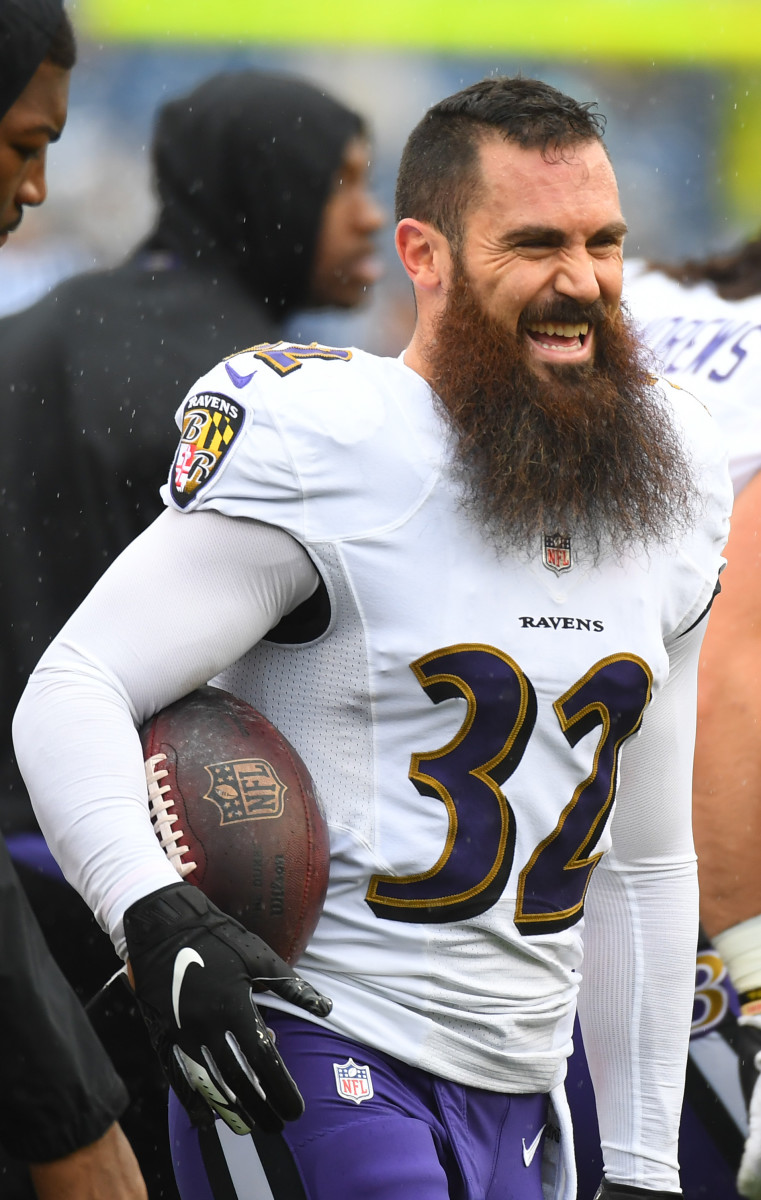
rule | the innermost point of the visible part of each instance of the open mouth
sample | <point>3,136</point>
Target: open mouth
<point>551,335</point>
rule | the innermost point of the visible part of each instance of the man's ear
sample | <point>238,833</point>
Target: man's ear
<point>424,253</point>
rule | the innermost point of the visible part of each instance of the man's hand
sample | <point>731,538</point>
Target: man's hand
<point>624,1191</point>
<point>749,1053</point>
<point>195,970</point>
<point>105,1170</point>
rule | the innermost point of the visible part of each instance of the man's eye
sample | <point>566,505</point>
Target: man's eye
<point>605,245</point>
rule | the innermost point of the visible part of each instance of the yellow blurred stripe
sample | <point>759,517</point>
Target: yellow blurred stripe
<point>659,31</point>
<point>739,161</point>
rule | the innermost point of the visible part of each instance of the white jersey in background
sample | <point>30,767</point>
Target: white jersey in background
<point>711,347</point>
<point>465,716</point>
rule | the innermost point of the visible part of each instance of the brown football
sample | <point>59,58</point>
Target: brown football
<point>234,808</point>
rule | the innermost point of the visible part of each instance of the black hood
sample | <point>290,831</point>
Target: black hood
<point>27,29</point>
<point>244,165</point>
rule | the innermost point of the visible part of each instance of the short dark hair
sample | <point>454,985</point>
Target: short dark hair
<point>62,51</point>
<point>439,171</point>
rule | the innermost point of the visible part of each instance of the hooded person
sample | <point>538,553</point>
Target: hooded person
<point>247,168</point>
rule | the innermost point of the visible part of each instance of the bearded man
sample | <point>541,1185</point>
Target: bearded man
<point>495,555</point>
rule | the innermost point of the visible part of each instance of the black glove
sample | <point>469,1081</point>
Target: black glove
<point>622,1191</point>
<point>195,970</point>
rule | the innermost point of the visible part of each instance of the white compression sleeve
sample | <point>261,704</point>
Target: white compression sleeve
<point>157,625</point>
<point>640,938</point>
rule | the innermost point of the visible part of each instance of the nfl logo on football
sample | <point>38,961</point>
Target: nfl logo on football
<point>556,552</point>
<point>353,1082</point>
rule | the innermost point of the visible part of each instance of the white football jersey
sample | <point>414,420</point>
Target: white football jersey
<point>463,714</point>
<point>710,346</point>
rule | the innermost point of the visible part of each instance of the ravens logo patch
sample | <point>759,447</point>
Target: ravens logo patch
<point>210,424</point>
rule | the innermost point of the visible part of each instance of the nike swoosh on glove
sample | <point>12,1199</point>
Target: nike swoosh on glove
<point>195,971</point>
<point>748,1043</point>
<point>624,1191</point>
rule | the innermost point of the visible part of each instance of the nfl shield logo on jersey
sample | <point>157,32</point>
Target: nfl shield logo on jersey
<point>353,1082</point>
<point>556,552</point>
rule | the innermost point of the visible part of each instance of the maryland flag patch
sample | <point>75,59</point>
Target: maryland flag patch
<point>210,424</point>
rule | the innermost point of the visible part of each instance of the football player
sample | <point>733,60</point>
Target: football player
<point>496,555</point>
<point>703,321</point>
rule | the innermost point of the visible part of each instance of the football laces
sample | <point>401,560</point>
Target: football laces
<point>163,816</point>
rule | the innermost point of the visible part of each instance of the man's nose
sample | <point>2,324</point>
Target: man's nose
<point>577,277</point>
<point>371,215</point>
<point>33,187</point>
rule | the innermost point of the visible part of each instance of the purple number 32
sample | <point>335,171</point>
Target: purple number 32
<point>467,774</point>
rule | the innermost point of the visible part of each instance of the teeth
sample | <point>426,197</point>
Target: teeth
<point>569,331</point>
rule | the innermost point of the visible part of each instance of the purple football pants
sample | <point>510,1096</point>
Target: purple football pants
<point>374,1129</point>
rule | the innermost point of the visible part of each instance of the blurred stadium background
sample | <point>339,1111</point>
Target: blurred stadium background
<point>680,82</point>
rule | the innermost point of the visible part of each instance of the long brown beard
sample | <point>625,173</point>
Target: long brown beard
<point>592,451</point>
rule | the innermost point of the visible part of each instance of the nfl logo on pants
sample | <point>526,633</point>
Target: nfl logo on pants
<point>353,1082</point>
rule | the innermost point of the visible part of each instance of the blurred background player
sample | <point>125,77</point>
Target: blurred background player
<point>265,208</point>
<point>702,319</point>
<point>59,1094</point>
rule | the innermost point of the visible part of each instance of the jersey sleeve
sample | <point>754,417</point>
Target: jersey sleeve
<point>242,431</point>
<point>635,1003</point>
<point>231,455</point>
<point>309,438</point>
